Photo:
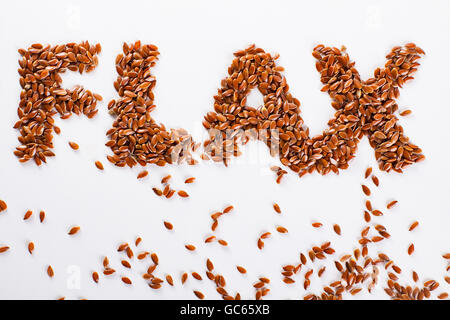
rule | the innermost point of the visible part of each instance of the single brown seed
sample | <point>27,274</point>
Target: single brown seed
<point>30,247</point>
<point>74,230</point>
<point>42,216</point>
<point>142,174</point>
<point>446,255</point>
<point>282,229</point>
<point>368,172</point>
<point>105,262</point>
<point>447,279</point>
<point>95,277</point>
<point>317,224</point>
<point>99,165</point>
<point>126,264</point>
<point>199,295</point>
<point>157,191</point>
<point>189,180</point>
<point>365,189</point>
<point>443,295</point>
<point>108,271</point>
<point>50,271</point>
<point>210,239</point>
<point>4,249</point>
<point>228,209</point>
<point>74,145</point>
<point>413,225</point>
<point>223,242</point>
<point>337,229</point>
<point>3,206</point>
<point>241,269</point>
<point>209,265</point>
<point>165,179</point>
<point>168,225</point>
<point>155,258</point>
<point>184,278</point>
<point>411,249</point>
<point>190,247</point>
<point>138,241</point>
<point>126,280</point>
<point>196,276</point>
<point>415,276</point>
<point>27,215</point>
<point>276,207</point>
<point>183,194</point>
<point>375,181</point>
<point>391,204</point>
<point>405,113</point>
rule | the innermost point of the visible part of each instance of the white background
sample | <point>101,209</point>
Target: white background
<point>196,40</point>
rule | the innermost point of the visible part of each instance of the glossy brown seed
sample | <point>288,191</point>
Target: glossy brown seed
<point>108,271</point>
<point>391,204</point>
<point>443,295</point>
<point>157,191</point>
<point>199,295</point>
<point>126,264</point>
<point>74,145</point>
<point>30,247</point>
<point>27,215</point>
<point>276,207</point>
<point>228,209</point>
<point>166,179</point>
<point>337,229</point>
<point>366,190</point>
<point>190,247</point>
<point>183,194</point>
<point>74,230</point>
<point>50,271</point>
<point>375,181</point>
<point>411,249</point>
<point>189,180</point>
<point>413,225</point>
<point>281,229</point>
<point>42,216</point>
<point>368,172</point>
<point>405,112</point>
<point>196,276</point>
<point>415,276</point>
<point>95,277</point>
<point>126,280</point>
<point>241,269</point>
<point>316,224</point>
<point>4,249</point>
<point>3,206</point>
<point>99,165</point>
<point>138,241</point>
<point>184,278</point>
<point>222,242</point>
<point>168,225</point>
<point>142,174</point>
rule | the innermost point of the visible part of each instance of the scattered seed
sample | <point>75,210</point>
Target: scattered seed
<point>183,194</point>
<point>27,215</point>
<point>168,225</point>
<point>99,165</point>
<point>142,174</point>
<point>365,189</point>
<point>30,247</point>
<point>413,225</point>
<point>74,230</point>
<point>189,180</point>
<point>391,204</point>
<point>74,145</point>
